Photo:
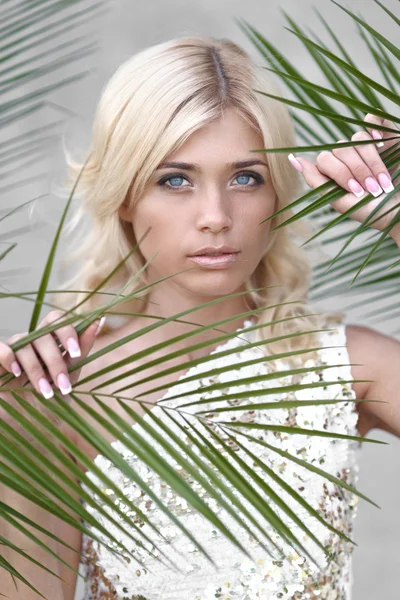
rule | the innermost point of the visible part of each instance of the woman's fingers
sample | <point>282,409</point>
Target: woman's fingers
<point>381,135</point>
<point>42,361</point>
<point>358,169</point>
<point>88,336</point>
<point>66,334</point>
<point>8,361</point>
<point>49,352</point>
<point>32,367</point>
<point>372,165</point>
<point>312,176</point>
<point>86,340</point>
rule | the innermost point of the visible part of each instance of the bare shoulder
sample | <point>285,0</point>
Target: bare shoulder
<point>377,358</point>
<point>372,349</point>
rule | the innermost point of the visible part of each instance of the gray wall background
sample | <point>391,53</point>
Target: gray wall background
<point>126,29</point>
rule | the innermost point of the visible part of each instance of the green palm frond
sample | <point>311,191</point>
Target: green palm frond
<point>34,463</point>
<point>141,447</point>
<point>360,94</point>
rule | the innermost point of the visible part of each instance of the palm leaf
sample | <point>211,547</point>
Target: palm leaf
<point>140,447</point>
<point>343,93</point>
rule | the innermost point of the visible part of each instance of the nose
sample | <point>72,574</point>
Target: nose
<point>214,212</point>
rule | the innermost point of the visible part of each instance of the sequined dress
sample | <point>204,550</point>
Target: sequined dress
<point>266,576</point>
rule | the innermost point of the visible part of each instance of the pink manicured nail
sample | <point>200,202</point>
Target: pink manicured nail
<point>16,369</point>
<point>73,348</point>
<point>295,162</point>
<point>45,388</point>
<point>385,182</point>
<point>100,325</point>
<point>373,186</point>
<point>377,136</point>
<point>356,188</point>
<point>64,384</point>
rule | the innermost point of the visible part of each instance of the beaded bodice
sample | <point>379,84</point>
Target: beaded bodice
<point>267,575</point>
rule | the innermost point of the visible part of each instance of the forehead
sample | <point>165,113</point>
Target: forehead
<point>229,140</point>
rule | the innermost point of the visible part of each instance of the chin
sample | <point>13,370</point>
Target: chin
<point>214,287</point>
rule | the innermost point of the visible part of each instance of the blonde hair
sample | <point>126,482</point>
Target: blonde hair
<point>150,106</point>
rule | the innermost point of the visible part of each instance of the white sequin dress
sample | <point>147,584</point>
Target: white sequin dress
<point>266,576</point>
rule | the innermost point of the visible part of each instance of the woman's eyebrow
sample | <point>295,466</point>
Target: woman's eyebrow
<point>194,167</point>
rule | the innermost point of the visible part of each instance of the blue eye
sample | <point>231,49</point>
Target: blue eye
<point>173,181</point>
<point>256,176</point>
<point>242,177</point>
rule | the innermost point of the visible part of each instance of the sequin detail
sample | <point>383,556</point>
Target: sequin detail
<point>267,576</point>
<point>99,586</point>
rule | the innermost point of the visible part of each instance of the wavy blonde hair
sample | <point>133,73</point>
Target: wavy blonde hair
<point>149,108</point>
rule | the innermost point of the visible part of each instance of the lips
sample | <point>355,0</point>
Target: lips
<point>215,251</point>
<point>220,261</point>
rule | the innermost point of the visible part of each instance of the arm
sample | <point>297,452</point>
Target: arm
<point>49,584</point>
<point>379,355</point>
<point>45,582</point>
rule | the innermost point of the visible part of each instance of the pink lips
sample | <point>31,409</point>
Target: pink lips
<point>216,262</point>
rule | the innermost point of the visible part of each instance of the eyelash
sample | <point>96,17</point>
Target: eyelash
<point>162,182</point>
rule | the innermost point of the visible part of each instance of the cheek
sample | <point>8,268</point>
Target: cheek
<point>144,216</point>
<point>252,219</point>
<point>161,226</point>
<point>266,210</point>
<point>156,212</point>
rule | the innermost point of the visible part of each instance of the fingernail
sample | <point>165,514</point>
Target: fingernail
<point>64,384</point>
<point>73,348</point>
<point>100,326</point>
<point>295,162</point>
<point>373,186</point>
<point>385,182</point>
<point>356,188</point>
<point>16,369</point>
<point>377,136</point>
<point>45,388</point>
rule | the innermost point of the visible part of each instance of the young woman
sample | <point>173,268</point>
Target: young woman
<point>171,155</point>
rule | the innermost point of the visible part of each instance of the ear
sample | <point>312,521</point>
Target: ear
<point>123,212</point>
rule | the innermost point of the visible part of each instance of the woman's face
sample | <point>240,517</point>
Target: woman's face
<point>207,201</point>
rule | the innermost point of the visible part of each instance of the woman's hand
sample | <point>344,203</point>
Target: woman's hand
<point>359,170</point>
<point>42,363</point>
